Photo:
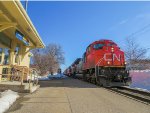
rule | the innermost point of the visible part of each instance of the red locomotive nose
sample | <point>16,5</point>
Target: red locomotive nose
<point>104,62</point>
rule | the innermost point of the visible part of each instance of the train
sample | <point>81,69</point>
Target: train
<point>102,63</point>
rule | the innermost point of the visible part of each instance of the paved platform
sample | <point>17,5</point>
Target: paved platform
<point>17,87</point>
<point>75,96</point>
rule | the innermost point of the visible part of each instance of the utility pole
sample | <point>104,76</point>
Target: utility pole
<point>26,5</point>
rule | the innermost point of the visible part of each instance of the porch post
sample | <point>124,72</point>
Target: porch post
<point>2,61</point>
<point>12,52</point>
<point>11,57</point>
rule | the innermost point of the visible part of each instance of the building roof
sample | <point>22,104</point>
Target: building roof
<point>13,15</point>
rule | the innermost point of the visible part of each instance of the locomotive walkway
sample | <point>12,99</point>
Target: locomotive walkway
<point>75,96</point>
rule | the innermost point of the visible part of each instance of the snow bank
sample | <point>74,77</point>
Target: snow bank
<point>50,77</point>
<point>140,71</point>
<point>44,78</point>
<point>57,76</point>
<point>7,98</point>
<point>142,89</point>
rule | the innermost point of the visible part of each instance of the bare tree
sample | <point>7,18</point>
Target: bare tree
<point>56,52</point>
<point>48,59</point>
<point>134,52</point>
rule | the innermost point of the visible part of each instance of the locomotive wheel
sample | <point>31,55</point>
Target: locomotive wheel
<point>99,82</point>
<point>94,81</point>
<point>89,80</point>
<point>105,82</point>
<point>84,76</point>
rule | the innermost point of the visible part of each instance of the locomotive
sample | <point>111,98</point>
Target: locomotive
<point>103,63</point>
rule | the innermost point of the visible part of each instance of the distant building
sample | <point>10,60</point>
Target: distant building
<point>141,64</point>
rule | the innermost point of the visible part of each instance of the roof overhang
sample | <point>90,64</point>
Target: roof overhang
<point>13,15</point>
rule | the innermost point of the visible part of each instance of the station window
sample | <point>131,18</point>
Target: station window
<point>0,59</point>
<point>98,46</point>
<point>6,57</point>
<point>1,51</point>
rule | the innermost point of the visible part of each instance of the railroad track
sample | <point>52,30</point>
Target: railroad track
<point>136,94</point>
<point>139,95</point>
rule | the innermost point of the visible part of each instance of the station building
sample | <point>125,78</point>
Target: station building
<point>17,37</point>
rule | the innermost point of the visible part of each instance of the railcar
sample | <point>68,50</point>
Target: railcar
<point>103,63</point>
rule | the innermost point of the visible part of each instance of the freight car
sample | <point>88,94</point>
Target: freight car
<point>103,63</point>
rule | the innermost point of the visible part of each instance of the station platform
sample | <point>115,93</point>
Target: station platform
<point>74,96</point>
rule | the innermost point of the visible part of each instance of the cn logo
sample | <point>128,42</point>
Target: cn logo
<point>111,57</point>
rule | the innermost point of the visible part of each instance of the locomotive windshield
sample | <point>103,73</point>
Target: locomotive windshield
<point>111,44</point>
<point>98,46</point>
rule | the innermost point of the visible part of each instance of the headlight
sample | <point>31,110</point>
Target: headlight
<point>112,49</point>
<point>108,62</point>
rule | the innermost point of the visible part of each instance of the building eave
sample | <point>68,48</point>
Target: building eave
<point>17,14</point>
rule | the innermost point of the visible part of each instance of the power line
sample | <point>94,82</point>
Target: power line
<point>140,31</point>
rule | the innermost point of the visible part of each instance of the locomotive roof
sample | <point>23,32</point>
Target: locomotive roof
<point>76,61</point>
<point>102,40</point>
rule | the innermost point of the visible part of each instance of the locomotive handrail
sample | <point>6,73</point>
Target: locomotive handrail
<point>98,67</point>
<point>99,61</point>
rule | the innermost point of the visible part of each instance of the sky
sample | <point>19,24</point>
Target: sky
<point>74,25</point>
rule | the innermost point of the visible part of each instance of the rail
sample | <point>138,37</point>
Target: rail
<point>136,94</point>
<point>19,73</point>
<point>14,73</point>
<point>33,78</point>
<point>140,95</point>
<point>97,68</point>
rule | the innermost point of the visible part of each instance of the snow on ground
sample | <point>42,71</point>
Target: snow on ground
<point>140,79</point>
<point>142,89</point>
<point>44,78</point>
<point>56,76</point>
<point>50,77</point>
<point>7,98</point>
<point>140,70</point>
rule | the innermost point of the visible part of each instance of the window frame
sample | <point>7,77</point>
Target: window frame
<point>98,44</point>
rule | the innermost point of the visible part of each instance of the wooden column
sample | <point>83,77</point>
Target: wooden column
<point>22,75</point>
<point>2,60</point>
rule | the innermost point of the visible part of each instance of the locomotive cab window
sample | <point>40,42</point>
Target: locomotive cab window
<point>111,44</point>
<point>88,49</point>
<point>98,46</point>
<point>84,57</point>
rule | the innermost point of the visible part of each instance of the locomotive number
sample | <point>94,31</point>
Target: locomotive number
<point>111,57</point>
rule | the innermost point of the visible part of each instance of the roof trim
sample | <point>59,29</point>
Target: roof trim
<point>18,3</point>
<point>21,18</point>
